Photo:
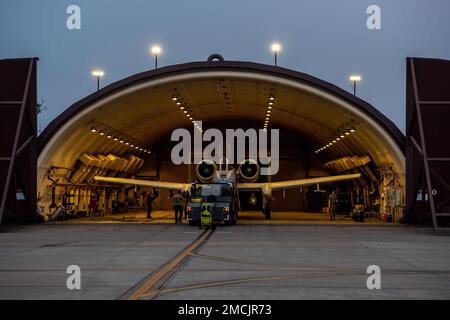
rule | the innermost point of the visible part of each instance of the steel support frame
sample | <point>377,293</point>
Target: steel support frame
<point>425,172</point>
<point>17,149</point>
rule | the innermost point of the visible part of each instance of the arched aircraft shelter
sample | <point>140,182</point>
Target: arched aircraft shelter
<point>94,135</point>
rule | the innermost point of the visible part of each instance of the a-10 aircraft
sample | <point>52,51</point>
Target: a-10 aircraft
<point>241,179</point>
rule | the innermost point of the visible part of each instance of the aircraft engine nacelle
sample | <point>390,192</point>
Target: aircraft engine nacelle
<point>206,170</point>
<point>248,170</point>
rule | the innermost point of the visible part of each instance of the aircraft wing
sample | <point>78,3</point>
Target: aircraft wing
<point>145,183</point>
<point>266,187</point>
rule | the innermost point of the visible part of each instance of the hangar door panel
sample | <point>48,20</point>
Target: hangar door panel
<point>428,141</point>
<point>18,143</point>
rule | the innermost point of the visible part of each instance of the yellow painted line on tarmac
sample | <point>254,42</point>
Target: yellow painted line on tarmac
<point>217,283</point>
<point>268,278</point>
<point>248,262</point>
<point>154,279</point>
<point>238,281</point>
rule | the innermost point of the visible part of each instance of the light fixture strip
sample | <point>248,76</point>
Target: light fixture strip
<point>185,109</point>
<point>269,110</point>
<point>338,138</point>
<point>115,138</point>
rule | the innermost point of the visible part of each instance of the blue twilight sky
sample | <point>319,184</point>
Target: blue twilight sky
<point>325,38</point>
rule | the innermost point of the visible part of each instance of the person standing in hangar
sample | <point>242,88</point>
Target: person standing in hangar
<point>178,205</point>
<point>150,198</point>
<point>332,204</point>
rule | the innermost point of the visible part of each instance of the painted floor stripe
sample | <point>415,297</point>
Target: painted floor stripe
<point>153,279</point>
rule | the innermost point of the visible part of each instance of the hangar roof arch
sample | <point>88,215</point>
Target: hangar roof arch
<point>140,107</point>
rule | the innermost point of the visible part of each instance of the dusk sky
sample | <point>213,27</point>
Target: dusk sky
<point>328,39</point>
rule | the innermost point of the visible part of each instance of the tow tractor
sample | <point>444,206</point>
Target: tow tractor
<point>222,201</point>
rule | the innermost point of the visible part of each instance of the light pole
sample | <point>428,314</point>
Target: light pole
<point>156,50</point>
<point>98,74</point>
<point>276,47</point>
<point>355,79</point>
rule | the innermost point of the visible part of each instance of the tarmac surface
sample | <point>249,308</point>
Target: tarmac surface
<point>246,261</point>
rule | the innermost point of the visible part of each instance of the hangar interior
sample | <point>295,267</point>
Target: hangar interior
<point>124,130</point>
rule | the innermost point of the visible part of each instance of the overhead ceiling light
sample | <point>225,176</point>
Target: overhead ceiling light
<point>136,147</point>
<point>174,98</point>
<point>132,145</point>
<point>178,103</point>
<point>181,107</point>
<point>109,136</point>
<point>334,141</point>
<point>271,98</point>
<point>93,129</point>
<point>342,136</point>
<point>269,107</point>
<point>140,149</point>
<point>185,111</point>
<point>352,130</point>
<point>269,111</point>
<point>270,103</point>
<point>115,139</point>
<point>121,141</point>
<point>347,133</point>
<point>337,139</point>
<point>127,143</point>
<point>101,133</point>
